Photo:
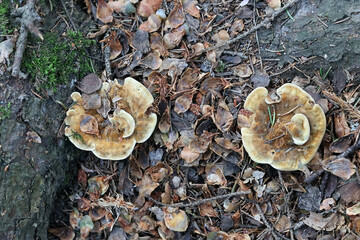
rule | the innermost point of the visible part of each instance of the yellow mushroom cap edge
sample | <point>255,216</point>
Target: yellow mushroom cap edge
<point>281,153</point>
<point>113,147</point>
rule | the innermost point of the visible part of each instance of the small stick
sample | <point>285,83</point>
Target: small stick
<point>288,112</point>
<point>199,202</point>
<point>266,22</point>
<point>275,138</point>
<point>274,233</point>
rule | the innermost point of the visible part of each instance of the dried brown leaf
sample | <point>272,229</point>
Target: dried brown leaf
<point>173,38</point>
<point>122,6</point>
<point>182,103</point>
<point>327,204</point>
<point>353,210</point>
<point>207,210</point>
<point>32,136</point>
<point>341,167</point>
<point>152,24</point>
<point>223,119</point>
<point>157,44</point>
<point>188,155</point>
<point>275,4</point>
<point>176,219</point>
<point>148,7</point>
<point>341,125</point>
<point>104,12</point>
<point>190,7</point>
<point>175,18</point>
<point>152,61</point>
<point>242,70</point>
<point>283,224</point>
<point>215,175</point>
<point>89,125</point>
<point>63,233</point>
<point>159,172</point>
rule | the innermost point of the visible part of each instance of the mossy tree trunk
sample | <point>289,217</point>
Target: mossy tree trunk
<point>30,173</point>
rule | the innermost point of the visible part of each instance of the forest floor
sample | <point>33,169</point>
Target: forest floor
<point>193,178</point>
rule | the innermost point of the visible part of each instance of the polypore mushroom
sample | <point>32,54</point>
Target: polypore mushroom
<point>283,129</point>
<point>112,136</point>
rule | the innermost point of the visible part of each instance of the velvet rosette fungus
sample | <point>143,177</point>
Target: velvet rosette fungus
<point>110,118</point>
<point>283,128</point>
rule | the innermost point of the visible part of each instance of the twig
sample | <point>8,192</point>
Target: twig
<point>274,233</point>
<point>68,15</point>
<point>28,17</point>
<point>350,151</point>
<point>199,202</point>
<point>346,106</point>
<point>265,23</point>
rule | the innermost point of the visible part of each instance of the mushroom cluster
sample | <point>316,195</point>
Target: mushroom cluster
<point>109,118</point>
<point>283,128</point>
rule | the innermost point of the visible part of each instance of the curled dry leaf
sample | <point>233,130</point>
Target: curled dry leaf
<point>63,233</point>
<point>91,101</point>
<point>188,155</point>
<point>90,83</point>
<point>354,210</point>
<point>159,172</point>
<point>341,125</point>
<point>223,119</point>
<point>98,185</point>
<point>190,7</point>
<point>146,187</point>
<point>183,103</point>
<point>173,38</point>
<point>275,4</point>
<point>165,122</point>
<point>175,18</point>
<point>104,12</point>
<point>83,204</point>
<point>147,223</point>
<point>215,175</point>
<point>327,204</point>
<point>152,61</point>
<point>343,143</point>
<point>152,24</point>
<point>197,49</point>
<point>85,225</point>
<point>122,6</point>
<point>148,7</point>
<point>97,213</point>
<point>74,218</point>
<point>242,70</point>
<point>33,137</point>
<point>89,125</point>
<point>330,223</point>
<point>157,44</point>
<point>176,219</point>
<point>341,167</point>
<point>207,210</point>
<point>283,224</point>
<point>237,26</point>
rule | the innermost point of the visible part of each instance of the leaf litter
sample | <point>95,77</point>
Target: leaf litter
<point>194,168</point>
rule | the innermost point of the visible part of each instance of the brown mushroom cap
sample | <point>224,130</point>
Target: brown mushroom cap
<point>113,137</point>
<point>295,136</point>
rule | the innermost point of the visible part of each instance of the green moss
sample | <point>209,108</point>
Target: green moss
<point>5,112</point>
<point>4,18</point>
<point>57,58</point>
